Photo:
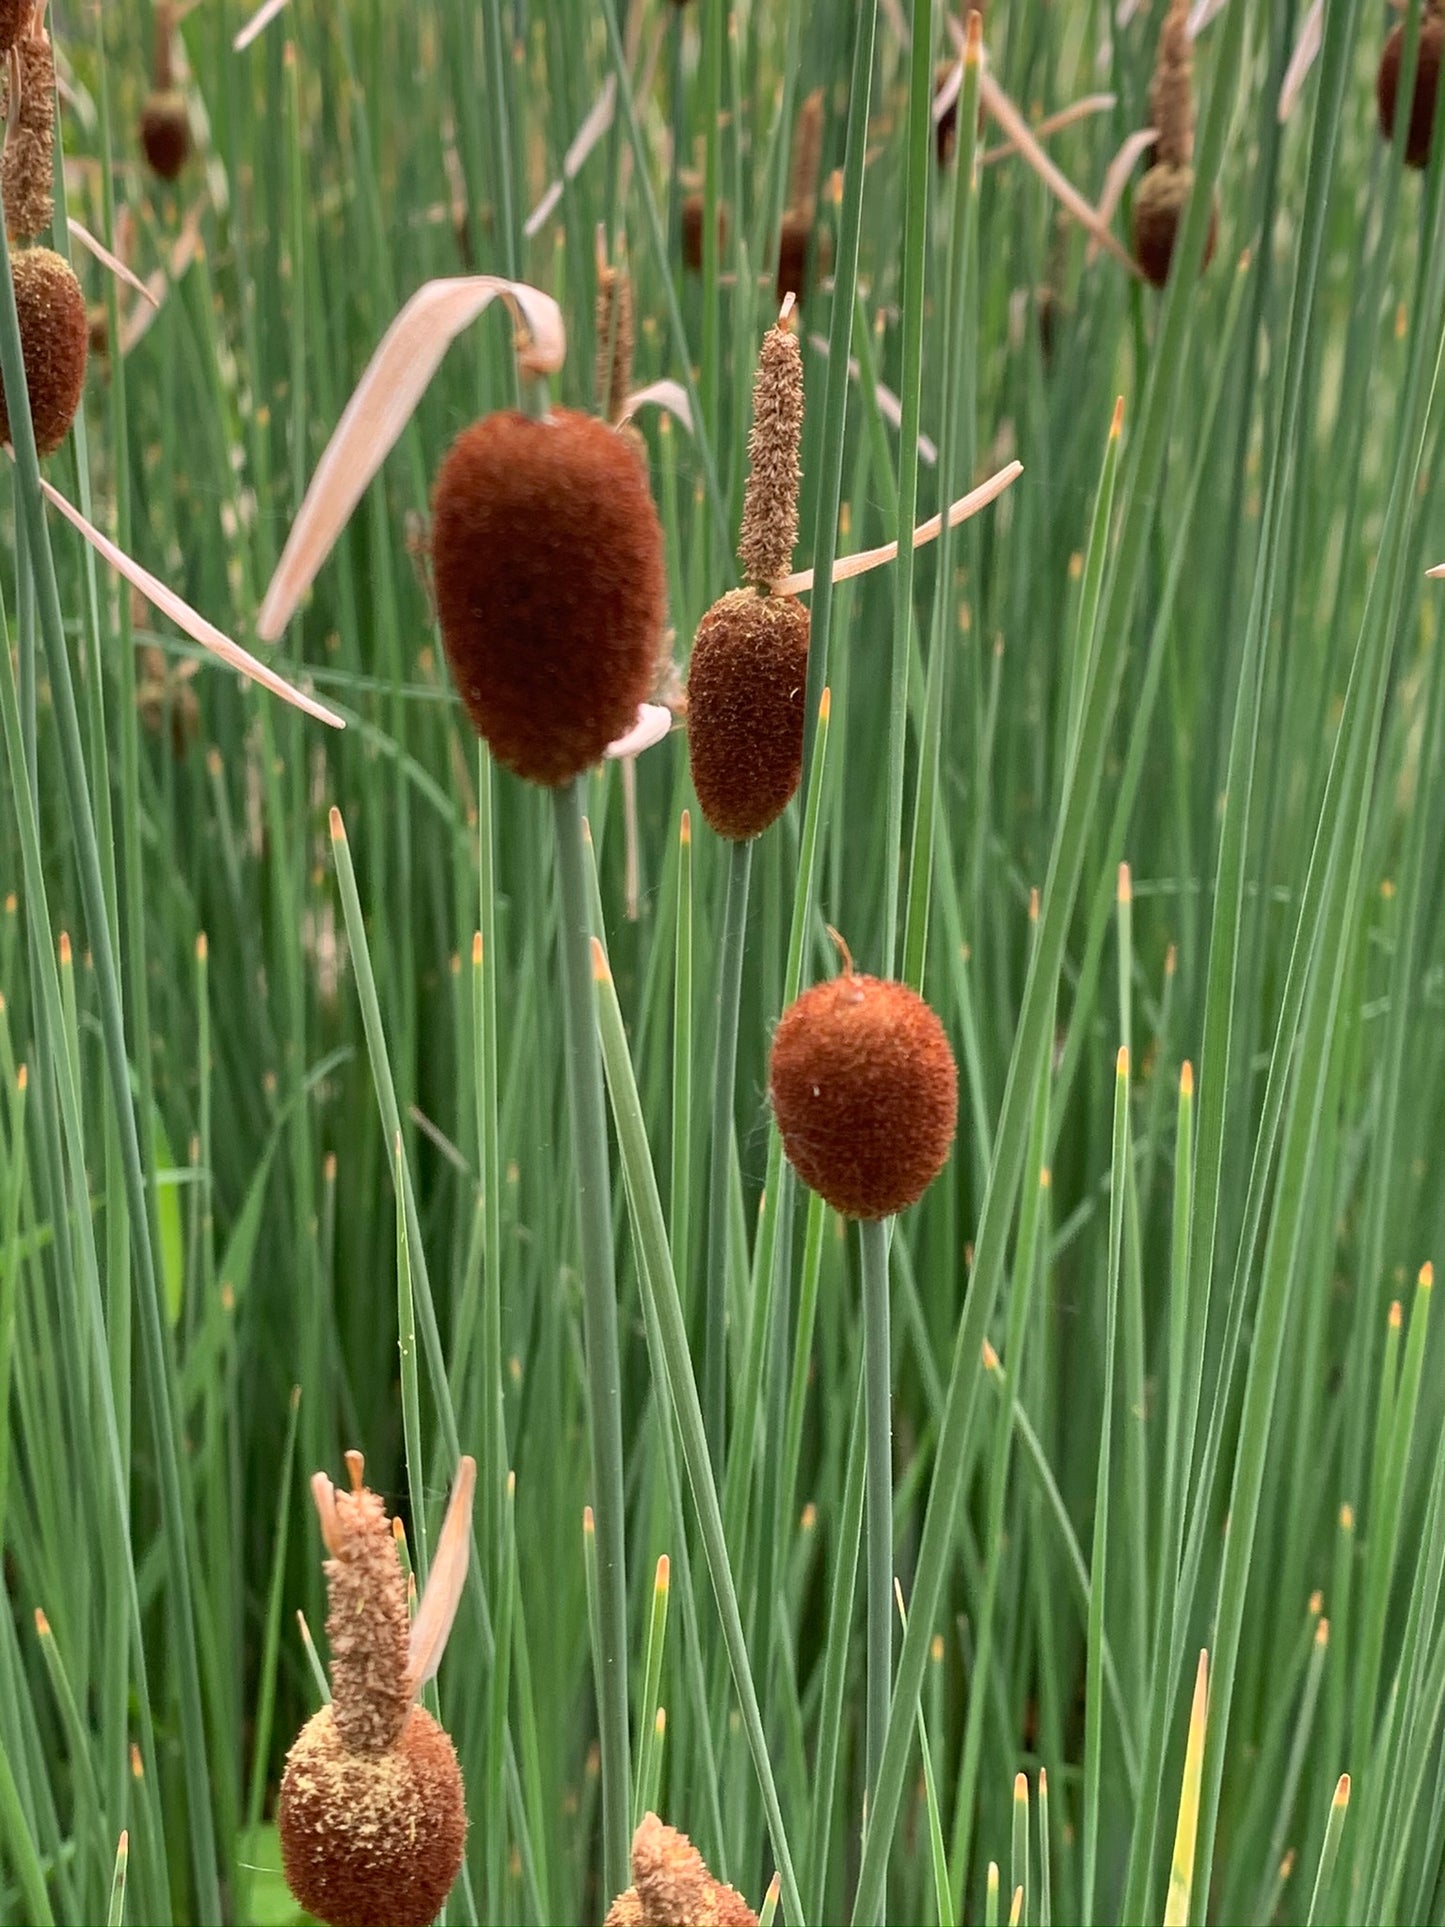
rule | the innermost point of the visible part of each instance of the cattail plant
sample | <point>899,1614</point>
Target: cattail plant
<point>1164,191</point>
<point>55,337</point>
<point>14,16</point>
<point>165,125</point>
<point>671,1884</point>
<point>865,1092</point>
<point>800,210</point>
<point>693,218</point>
<point>1427,82</point>
<point>372,1812</point>
<point>27,161</point>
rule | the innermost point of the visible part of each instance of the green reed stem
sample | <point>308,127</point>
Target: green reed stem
<point>725,1063</point>
<point>878,1379</point>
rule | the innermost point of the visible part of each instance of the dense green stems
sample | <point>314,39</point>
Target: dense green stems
<point>878,1376</point>
<point>599,1310</point>
<point>719,1199</point>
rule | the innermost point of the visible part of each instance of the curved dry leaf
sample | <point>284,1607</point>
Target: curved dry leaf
<point>448,1575</point>
<point>258,23</point>
<point>1306,51</point>
<point>1054,124</point>
<point>386,396</point>
<point>948,93</point>
<point>889,406</point>
<point>108,260</point>
<point>653,723</point>
<point>667,394</point>
<point>1119,170</point>
<point>598,120</point>
<point>1202,13</point>
<point>1435,573</point>
<point>968,505</point>
<point>185,617</point>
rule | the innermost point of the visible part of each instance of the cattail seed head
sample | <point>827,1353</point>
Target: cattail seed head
<point>1171,91</point>
<point>770,504</point>
<point>865,1091</point>
<point>54,334</point>
<point>165,133</point>
<point>367,1625</point>
<point>547,562</point>
<point>807,153</point>
<point>614,342</point>
<point>1159,206</point>
<point>1427,82</point>
<point>794,241</point>
<point>671,1883</point>
<point>372,1842</point>
<point>27,162</point>
<point>745,709</point>
<point>694,209</point>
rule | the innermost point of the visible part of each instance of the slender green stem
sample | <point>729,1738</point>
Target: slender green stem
<point>599,1313</point>
<point>878,1376</point>
<point>725,1062</point>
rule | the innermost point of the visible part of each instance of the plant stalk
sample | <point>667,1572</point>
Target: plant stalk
<point>725,1064</point>
<point>878,1374</point>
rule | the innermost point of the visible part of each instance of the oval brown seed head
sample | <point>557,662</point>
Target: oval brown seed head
<point>797,233</point>
<point>547,561</point>
<point>693,208</point>
<point>745,701</point>
<point>165,134</point>
<point>1159,208</point>
<point>1427,82</point>
<point>372,1843</point>
<point>55,336</point>
<point>865,1091</point>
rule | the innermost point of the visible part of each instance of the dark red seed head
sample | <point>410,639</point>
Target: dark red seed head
<point>165,134</point>
<point>865,1091</point>
<point>547,562</point>
<point>1427,81</point>
<point>55,337</point>
<point>1159,206</point>
<point>745,701</point>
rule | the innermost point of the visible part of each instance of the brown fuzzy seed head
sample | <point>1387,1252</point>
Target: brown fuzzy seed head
<point>14,14</point>
<point>693,209</point>
<point>770,504</point>
<point>372,1843</point>
<point>1171,91</point>
<point>165,134</point>
<point>1159,206</point>
<point>745,705</point>
<point>614,342</point>
<point>672,1887</point>
<point>1427,82</point>
<point>865,1091</point>
<point>55,336</point>
<point>27,166</point>
<point>547,561</point>
<point>368,1626</point>
<point>793,245</point>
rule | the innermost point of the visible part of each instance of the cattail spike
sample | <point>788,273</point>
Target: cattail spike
<point>770,505</point>
<point>28,161</point>
<point>165,26</point>
<point>1171,92</point>
<point>614,342</point>
<point>807,153</point>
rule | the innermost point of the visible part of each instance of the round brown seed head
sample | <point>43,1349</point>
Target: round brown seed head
<point>372,1842</point>
<point>547,562</point>
<point>865,1091</point>
<point>54,334</point>
<point>745,701</point>
<point>1427,82</point>
<point>1158,210</point>
<point>692,218</point>
<point>165,134</point>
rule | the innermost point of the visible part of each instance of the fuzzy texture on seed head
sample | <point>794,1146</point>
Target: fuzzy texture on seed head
<point>1159,206</point>
<point>745,703</point>
<point>55,337</point>
<point>614,342</point>
<point>671,1886</point>
<point>770,504</point>
<point>1427,83</point>
<point>165,133</point>
<point>27,166</point>
<point>368,1626</point>
<point>372,1842</point>
<point>547,560</point>
<point>1171,91</point>
<point>865,1091</point>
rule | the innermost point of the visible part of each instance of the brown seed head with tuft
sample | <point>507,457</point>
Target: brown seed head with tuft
<point>55,335</point>
<point>1427,83</point>
<point>547,560</point>
<point>770,504</point>
<point>1171,91</point>
<point>27,165</point>
<point>1159,206</point>
<point>614,342</point>
<point>372,1842</point>
<point>165,133</point>
<point>865,1091</point>
<point>367,1624</point>
<point>671,1886</point>
<point>745,701</point>
<point>693,210</point>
